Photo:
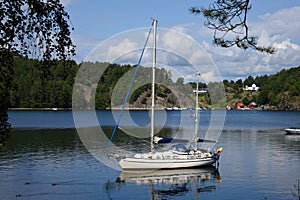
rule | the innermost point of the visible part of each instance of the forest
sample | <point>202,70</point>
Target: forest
<point>279,91</point>
<point>49,84</point>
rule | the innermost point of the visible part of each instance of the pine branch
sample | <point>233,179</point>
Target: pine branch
<point>228,19</point>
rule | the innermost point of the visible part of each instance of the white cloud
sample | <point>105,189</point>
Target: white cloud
<point>174,50</point>
<point>280,30</point>
<point>177,48</point>
<point>193,53</point>
<point>122,49</point>
<point>286,44</point>
<point>284,23</point>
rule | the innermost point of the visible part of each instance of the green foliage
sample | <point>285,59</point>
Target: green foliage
<point>273,89</point>
<point>138,92</point>
<point>6,75</point>
<point>284,82</point>
<point>249,81</point>
<point>31,88</point>
<point>263,97</point>
<point>246,101</point>
<point>34,28</point>
<point>217,94</point>
<point>108,81</point>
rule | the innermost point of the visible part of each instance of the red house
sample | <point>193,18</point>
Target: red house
<point>239,106</point>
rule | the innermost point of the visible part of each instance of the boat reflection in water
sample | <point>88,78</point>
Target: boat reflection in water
<point>168,183</point>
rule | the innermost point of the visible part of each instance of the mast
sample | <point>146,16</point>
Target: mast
<point>197,108</point>
<point>154,23</point>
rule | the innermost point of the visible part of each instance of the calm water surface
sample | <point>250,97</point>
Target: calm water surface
<point>45,159</point>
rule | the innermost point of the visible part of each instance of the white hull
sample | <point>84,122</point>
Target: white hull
<point>168,160</point>
<point>142,163</point>
<point>173,159</point>
<point>292,131</point>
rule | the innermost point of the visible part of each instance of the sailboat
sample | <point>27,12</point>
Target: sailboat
<point>179,156</point>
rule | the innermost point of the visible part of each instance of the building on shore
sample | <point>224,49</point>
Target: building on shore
<point>253,87</point>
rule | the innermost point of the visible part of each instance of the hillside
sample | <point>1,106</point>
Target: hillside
<point>50,85</point>
<point>280,91</point>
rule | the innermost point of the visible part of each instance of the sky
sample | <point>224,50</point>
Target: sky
<point>276,23</point>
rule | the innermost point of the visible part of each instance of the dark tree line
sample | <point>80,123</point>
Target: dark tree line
<point>113,85</point>
<point>48,84</point>
<point>33,28</point>
<point>42,84</point>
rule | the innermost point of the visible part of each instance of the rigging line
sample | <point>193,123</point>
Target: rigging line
<point>129,89</point>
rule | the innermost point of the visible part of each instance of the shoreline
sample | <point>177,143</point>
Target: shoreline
<point>40,109</point>
<point>64,109</point>
<point>134,109</point>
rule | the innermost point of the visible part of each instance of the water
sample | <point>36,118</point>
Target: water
<point>45,159</point>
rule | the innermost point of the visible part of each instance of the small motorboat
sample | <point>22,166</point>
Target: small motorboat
<point>293,131</point>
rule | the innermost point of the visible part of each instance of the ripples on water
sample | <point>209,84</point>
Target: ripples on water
<point>46,164</point>
<point>258,162</point>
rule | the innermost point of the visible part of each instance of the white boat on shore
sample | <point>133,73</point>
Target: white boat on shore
<point>179,156</point>
<point>292,131</point>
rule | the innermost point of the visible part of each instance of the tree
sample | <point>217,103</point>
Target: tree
<point>228,19</point>
<point>249,81</point>
<point>35,28</point>
<point>6,63</point>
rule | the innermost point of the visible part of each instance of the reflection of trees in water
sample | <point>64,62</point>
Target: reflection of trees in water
<point>128,141</point>
<point>167,183</point>
<point>34,140</point>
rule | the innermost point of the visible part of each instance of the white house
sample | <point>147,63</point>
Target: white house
<point>253,87</point>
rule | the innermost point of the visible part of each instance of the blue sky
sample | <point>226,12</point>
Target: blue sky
<point>276,22</point>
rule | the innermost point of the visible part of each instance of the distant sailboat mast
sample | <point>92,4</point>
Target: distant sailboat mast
<point>196,114</point>
<point>153,83</point>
